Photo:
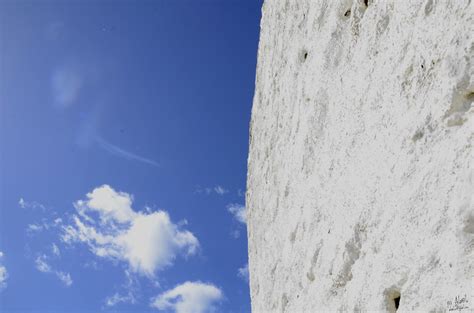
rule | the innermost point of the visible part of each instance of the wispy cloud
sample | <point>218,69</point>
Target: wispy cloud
<point>31,205</point>
<point>235,233</point>
<point>3,273</point>
<point>55,250</point>
<point>88,135</point>
<point>43,266</point>
<point>239,212</point>
<point>218,189</point>
<point>189,297</point>
<point>243,272</point>
<point>45,224</point>
<point>65,278</point>
<point>129,293</point>
<point>120,152</point>
<point>118,298</point>
<point>66,84</point>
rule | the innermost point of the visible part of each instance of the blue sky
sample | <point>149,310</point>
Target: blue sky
<point>124,140</point>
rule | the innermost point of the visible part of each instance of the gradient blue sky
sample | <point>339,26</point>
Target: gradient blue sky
<point>152,98</point>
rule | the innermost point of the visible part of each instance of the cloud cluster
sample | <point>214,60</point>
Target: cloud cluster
<point>108,225</point>
<point>3,273</point>
<point>189,297</point>
<point>145,241</point>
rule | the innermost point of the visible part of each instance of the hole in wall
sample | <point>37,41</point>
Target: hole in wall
<point>393,300</point>
<point>470,96</point>
<point>346,8</point>
<point>396,302</point>
<point>303,55</point>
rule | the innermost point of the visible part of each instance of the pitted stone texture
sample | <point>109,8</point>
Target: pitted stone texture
<point>360,173</point>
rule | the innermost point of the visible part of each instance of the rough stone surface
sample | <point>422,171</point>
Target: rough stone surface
<point>361,181</point>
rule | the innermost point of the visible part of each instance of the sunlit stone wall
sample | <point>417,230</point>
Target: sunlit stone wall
<point>360,178</point>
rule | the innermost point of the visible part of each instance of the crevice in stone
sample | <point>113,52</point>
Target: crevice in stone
<point>293,235</point>
<point>418,135</point>
<point>284,302</point>
<point>351,255</point>
<point>428,7</point>
<point>469,224</point>
<point>310,274</point>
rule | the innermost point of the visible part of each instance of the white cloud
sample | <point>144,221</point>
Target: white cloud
<point>43,266</point>
<point>109,204</point>
<point>239,212</point>
<point>66,84</point>
<point>3,273</point>
<point>243,272</point>
<point>148,242</point>
<point>190,297</point>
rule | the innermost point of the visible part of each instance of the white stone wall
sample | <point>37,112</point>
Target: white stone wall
<point>360,172</point>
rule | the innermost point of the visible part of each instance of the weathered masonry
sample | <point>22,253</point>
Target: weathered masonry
<point>360,188</point>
